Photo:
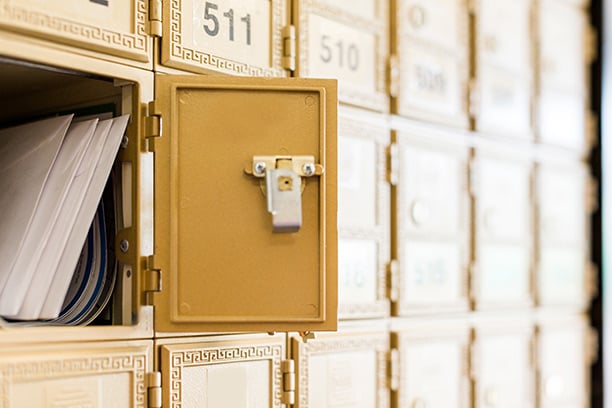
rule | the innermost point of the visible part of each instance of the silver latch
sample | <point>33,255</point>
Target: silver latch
<point>282,185</point>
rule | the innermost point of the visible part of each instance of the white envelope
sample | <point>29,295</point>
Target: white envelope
<point>70,255</point>
<point>73,148</point>
<point>27,154</point>
<point>45,268</point>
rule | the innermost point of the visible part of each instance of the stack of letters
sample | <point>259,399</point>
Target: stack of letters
<point>52,176</point>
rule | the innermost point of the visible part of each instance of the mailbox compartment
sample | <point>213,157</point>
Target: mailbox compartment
<point>431,204</point>
<point>223,371</point>
<point>111,30</point>
<point>503,217</point>
<point>503,363</point>
<point>348,368</point>
<point>433,363</point>
<point>103,375</point>
<point>565,200</point>
<point>230,37</point>
<point>431,43</point>
<point>363,216</point>
<point>566,348</point>
<point>349,42</point>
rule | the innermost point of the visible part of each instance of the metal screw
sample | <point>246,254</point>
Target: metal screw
<point>124,245</point>
<point>308,169</point>
<point>260,168</point>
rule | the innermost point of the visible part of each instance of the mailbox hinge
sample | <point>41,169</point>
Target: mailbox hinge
<point>152,272</point>
<point>288,383</point>
<point>393,280</point>
<point>473,98</point>
<point>590,44</point>
<point>289,47</point>
<point>592,280</point>
<point>393,75</point>
<point>154,390</point>
<point>592,339</point>
<point>155,18</point>
<point>592,187</point>
<point>393,369</point>
<point>152,127</point>
<point>591,130</point>
<point>393,164</point>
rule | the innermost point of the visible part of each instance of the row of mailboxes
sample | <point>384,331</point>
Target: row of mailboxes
<point>471,222</point>
<point>511,68</point>
<point>500,362</point>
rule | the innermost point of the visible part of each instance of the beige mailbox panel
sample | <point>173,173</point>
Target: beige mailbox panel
<point>231,37</point>
<point>431,43</point>
<point>363,219</point>
<point>503,103</point>
<point>231,256</point>
<point>117,28</point>
<point>349,42</point>
<point>563,46</point>
<point>348,369</point>
<point>564,363</point>
<point>563,269</point>
<point>224,372</point>
<point>433,368</point>
<point>432,225</point>
<point>504,368</point>
<point>105,375</point>
<point>504,35</point>
<point>503,241</point>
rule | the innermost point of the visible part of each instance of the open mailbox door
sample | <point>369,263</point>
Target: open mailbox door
<point>245,204</point>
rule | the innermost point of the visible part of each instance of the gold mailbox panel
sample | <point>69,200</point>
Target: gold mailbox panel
<point>431,42</point>
<point>223,372</point>
<point>564,273</point>
<point>116,28</point>
<point>349,42</point>
<point>503,230</point>
<point>363,219</point>
<point>504,367</point>
<point>105,375</point>
<point>231,37</point>
<point>347,369</point>
<point>565,354</point>
<point>223,265</point>
<point>432,207</point>
<point>433,366</point>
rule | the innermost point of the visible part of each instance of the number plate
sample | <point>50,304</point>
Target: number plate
<point>363,219</point>
<point>231,37</point>
<point>562,275</point>
<point>114,27</point>
<point>505,103</point>
<point>503,274</point>
<point>347,43</point>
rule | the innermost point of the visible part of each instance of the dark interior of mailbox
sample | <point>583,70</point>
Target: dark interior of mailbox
<point>31,92</point>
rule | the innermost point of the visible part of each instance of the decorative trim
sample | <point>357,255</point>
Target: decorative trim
<point>344,343</point>
<point>65,366</point>
<point>182,56</point>
<point>42,24</point>
<point>179,359</point>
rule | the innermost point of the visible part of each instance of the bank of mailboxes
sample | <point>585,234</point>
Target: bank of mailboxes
<point>216,169</point>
